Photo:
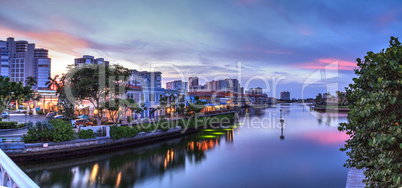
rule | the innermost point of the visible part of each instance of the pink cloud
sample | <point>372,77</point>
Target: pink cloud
<point>324,62</point>
<point>52,40</point>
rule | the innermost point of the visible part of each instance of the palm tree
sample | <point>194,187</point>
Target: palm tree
<point>53,83</point>
<point>30,81</point>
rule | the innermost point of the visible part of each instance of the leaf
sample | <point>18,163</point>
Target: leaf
<point>392,100</point>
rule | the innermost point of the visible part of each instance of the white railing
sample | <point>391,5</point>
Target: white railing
<point>11,175</point>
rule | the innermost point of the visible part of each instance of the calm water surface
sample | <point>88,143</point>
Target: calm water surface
<point>251,154</point>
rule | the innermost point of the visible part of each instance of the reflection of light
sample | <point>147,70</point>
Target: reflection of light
<point>327,137</point>
<point>94,172</point>
<point>168,158</point>
<point>118,180</point>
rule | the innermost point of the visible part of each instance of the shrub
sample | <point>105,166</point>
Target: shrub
<point>374,119</point>
<point>40,112</point>
<point>118,132</point>
<point>45,131</point>
<point>85,134</point>
<point>62,131</point>
<point>9,125</point>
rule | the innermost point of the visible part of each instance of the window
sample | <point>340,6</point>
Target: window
<point>151,97</point>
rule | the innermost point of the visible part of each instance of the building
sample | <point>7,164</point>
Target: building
<point>258,91</point>
<point>193,81</point>
<point>177,85</point>
<point>20,59</point>
<point>232,85</point>
<point>285,95</point>
<point>145,79</point>
<point>89,60</point>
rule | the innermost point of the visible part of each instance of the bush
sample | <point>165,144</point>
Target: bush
<point>10,125</point>
<point>118,132</point>
<point>85,134</point>
<point>374,119</point>
<point>62,131</point>
<point>40,112</point>
<point>45,131</point>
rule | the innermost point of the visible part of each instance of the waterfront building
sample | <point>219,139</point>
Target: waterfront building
<point>20,59</point>
<point>89,60</point>
<point>285,95</point>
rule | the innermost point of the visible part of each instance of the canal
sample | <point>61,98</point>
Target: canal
<point>252,153</point>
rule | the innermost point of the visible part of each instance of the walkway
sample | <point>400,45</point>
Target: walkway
<point>355,178</point>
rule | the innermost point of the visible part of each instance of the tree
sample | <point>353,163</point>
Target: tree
<point>31,81</point>
<point>117,106</point>
<point>375,117</point>
<point>96,83</point>
<point>66,102</point>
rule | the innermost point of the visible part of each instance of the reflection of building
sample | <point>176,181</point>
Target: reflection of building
<point>285,95</point>
<point>20,59</point>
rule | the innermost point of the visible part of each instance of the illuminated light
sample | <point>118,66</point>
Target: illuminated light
<point>235,126</point>
<point>208,130</point>
<point>96,111</point>
<point>227,129</point>
<point>118,180</point>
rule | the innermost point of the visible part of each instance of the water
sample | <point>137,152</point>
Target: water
<point>250,154</point>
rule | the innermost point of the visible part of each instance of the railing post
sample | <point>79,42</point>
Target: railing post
<point>12,175</point>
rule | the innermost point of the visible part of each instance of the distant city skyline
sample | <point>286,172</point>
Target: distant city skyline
<point>209,38</point>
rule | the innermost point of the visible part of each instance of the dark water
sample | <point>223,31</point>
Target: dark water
<point>250,154</point>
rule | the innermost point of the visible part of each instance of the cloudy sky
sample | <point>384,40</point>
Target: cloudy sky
<point>254,40</point>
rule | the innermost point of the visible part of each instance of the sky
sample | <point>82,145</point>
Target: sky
<point>277,45</point>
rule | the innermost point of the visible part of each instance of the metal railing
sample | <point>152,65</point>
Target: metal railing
<point>11,175</point>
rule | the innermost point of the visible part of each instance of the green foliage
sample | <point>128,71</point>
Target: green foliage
<point>118,132</point>
<point>62,131</point>
<point>375,117</point>
<point>85,134</point>
<point>40,112</point>
<point>49,131</point>
<point>10,125</point>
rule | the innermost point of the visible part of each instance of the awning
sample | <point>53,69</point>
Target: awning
<point>223,103</point>
<point>209,104</point>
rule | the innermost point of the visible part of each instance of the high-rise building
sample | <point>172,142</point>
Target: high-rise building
<point>145,79</point>
<point>20,59</point>
<point>89,60</point>
<point>193,81</point>
<point>224,85</point>
<point>177,85</point>
<point>285,95</point>
<point>233,85</point>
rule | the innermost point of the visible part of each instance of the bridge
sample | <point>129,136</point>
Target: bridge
<point>11,175</point>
